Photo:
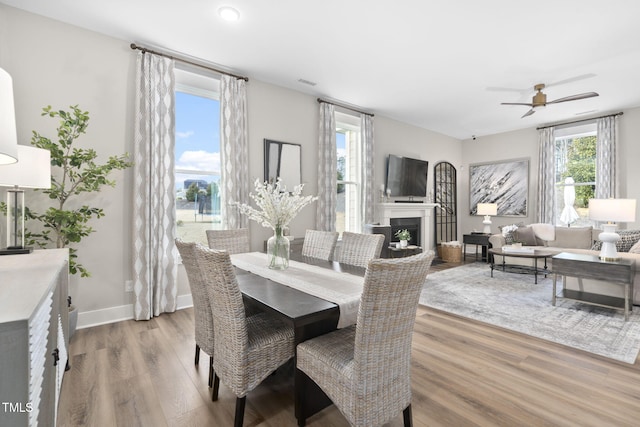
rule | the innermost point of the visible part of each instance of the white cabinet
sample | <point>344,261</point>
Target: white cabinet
<point>33,336</point>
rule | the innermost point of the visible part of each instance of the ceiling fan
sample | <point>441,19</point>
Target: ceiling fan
<point>540,99</point>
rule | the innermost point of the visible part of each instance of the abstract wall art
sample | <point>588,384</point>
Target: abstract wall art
<point>505,183</point>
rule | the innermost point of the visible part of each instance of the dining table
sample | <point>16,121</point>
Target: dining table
<point>314,296</point>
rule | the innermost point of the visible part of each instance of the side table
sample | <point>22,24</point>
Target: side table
<point>477,239</point>
<point>584,266</point>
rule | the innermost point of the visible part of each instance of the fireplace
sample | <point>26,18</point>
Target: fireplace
<point>385,212</point>
<point>410,224</point>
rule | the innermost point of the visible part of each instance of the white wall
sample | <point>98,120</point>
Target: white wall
<point>524,143</point>
<point>61,65</point>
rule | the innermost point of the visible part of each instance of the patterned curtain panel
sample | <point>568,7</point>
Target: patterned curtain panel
<point>327,169</point>
<point>234,151</point>
<point>367,194</point>
<point>546,176</point>
<point>606,171</point>
<point>154,267</point>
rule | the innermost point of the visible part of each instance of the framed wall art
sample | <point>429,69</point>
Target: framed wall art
<point>505,183</point>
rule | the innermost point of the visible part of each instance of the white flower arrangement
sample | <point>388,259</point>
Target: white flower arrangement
<point>509,229</point>
<point>276,206</point>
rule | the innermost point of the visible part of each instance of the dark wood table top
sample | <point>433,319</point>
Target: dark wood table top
<point>299,308</point>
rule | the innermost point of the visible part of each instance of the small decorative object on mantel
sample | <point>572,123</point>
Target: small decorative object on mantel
<point>277,207</point>
<point>404,236</point>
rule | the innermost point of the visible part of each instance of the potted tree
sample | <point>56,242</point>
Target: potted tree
<point>74,172</point>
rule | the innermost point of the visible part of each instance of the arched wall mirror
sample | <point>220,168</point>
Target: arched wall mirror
<point>283,159</point>
<point>445,188</point>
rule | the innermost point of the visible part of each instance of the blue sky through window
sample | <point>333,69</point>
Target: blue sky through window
<point>197,137</point>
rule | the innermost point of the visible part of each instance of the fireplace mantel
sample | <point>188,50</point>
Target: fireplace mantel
<point>424,211</point>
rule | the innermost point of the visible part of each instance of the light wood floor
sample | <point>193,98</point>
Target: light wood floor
<point>465,373</point>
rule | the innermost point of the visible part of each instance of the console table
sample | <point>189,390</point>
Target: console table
<point>585,266</point>
<point>34,335</point>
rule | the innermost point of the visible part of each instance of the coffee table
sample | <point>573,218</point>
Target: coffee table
<point>535,255</point>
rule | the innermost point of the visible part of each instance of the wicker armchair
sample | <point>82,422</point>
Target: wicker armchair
<point>320,244</point>
<point>203,318</point>
<point>233,241</point>
<point>365,369</point>
<point>248,349</point>
<point>358,249</point>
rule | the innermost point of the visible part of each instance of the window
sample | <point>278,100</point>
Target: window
<point>575,154</point>
<point>349,166</point>
<point>197,156</point>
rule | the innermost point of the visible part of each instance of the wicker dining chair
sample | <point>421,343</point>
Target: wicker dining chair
<point>233,241</point>
<point>358,249</point>
<point>203,318</point>
<point>320,244</point>
<point>248,349</point>
<point>365,369</point>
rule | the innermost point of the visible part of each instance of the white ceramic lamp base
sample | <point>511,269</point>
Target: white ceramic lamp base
<point>487,224</point>
<point>609,237</point>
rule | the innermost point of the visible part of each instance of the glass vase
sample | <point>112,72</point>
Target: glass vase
<point>278,250</point>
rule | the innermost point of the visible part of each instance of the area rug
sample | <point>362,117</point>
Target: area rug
<point>513,301</point>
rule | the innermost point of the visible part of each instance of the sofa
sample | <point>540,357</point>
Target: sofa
<point>581,240</point>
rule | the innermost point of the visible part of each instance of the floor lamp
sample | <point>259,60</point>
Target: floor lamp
<point>488,210</point>
<point>33,170</point>
<point>612,211</point>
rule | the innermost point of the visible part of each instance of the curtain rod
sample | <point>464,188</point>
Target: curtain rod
<point>580,121</point>
<point>186,61</point>
<point>320,100</point>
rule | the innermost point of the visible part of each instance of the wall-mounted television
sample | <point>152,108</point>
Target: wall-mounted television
<point>407,177</point>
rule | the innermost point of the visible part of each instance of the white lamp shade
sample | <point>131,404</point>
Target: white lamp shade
<point>8,137</point>
<point>612,210</point>
<point>33,169</point>
<point>487,209</point>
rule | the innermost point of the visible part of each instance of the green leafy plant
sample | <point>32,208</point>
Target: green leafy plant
<point>403,234</point>
<point>74,171</point>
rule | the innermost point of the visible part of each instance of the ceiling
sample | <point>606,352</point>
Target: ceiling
<point>441,65</point>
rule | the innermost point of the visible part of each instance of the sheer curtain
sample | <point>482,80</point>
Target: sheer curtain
<point>154,267</point>
<point>234,151</point>
<point>367,146</point>
<point>606,171</point>
<point>327,169</point>
<point>546,176</point>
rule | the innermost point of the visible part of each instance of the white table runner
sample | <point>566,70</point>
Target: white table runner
<point>343,289</point>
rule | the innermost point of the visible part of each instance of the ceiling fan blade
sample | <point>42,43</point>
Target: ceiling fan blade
<point>516,103</point>
<point>571,79</point>
<point>528,113</point>
<point>574,97</point>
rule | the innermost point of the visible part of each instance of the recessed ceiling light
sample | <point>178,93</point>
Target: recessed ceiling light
<point>228,13</point>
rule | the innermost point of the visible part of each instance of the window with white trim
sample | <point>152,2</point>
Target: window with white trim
<point>575,154</point>
<point>349,172</point>
<point>197,155</point>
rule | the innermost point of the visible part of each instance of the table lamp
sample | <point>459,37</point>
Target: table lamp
<point>487,209</point>
<point>33,170</point>
<point>8,138</point>
<point>612,211</point>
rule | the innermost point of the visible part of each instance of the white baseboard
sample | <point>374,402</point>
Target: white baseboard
<point>104,316</point>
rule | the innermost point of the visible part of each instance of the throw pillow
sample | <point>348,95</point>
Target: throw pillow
<point>635,249</point>
<point>509,237</point>
<point>526,236</point>
<point>628,238</point>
